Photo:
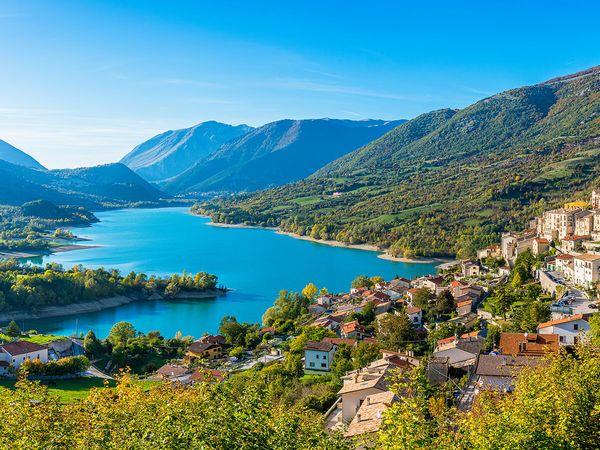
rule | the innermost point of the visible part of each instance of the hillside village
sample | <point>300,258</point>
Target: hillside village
<point>456,327</point>
<point>448,325</point>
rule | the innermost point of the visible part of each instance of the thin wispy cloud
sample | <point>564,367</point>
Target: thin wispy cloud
<point>11,15</point>
<point>477,91</point>
<point>212,101</point>
<point>334,88</point>
<point>183,82</point>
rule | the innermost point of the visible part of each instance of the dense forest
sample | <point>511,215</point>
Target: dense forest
<point>447,182</point>
<point>34,225</point>
<point>26,287</point>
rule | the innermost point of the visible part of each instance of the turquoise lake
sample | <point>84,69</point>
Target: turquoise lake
<point>255,263</point>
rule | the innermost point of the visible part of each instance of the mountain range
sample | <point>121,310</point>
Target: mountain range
<point>446,182</point>
<point>276,153</point>
<point>173,152</point>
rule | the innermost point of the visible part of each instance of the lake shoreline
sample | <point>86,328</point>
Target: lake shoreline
<point>102,304</point>
<point>366,247</point>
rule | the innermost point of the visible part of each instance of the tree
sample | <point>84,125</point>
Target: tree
<point>376,279</point>
<point>209,416</point>
<point>444,330</point>
<point>444,304</point>
<point>362,281</point>
<point>530,314</point>
<point>364,354</point>
<point>594,322</point>
<point>516,280</point>
<point>287,306</point>
<point>309,291</point>
<point>500,302</point>
<point>233,331</point>
<point>309,333</point>
<point>92,344</point>
<point>422,298</point>
<point>342,361</point>
<point>13,329</point>
<point>120,333</point>
<point>553,406</point>
<point>395,330</point>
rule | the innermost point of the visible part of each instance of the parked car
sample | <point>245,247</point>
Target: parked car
<point>593,305</point>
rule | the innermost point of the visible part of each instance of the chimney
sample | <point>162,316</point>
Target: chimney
<point>358,417</point>
<point>368,400</point>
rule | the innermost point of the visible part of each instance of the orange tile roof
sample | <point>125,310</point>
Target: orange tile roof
<point>575,238</point>
<point>528,344</point>
<point>413,310</point>
<point>472,334</point>
<point>551,323</point>
<point>349,327</point>
<point>445,341</point>
<point>564,256</point>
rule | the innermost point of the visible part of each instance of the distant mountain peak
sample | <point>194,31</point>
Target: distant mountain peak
<point>13,155</point>
<point>170,153</point>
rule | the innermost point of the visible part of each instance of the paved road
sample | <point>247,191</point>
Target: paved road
<point>94,372</point>
<point>580,305</point>
<point>468,396</point>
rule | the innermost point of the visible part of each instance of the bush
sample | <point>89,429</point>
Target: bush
<point>64,366</point>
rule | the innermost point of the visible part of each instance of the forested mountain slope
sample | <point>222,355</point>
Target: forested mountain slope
<point>92,187</point>
<point>447,182</point>
<point>277,153</point>
<point>173,152</point>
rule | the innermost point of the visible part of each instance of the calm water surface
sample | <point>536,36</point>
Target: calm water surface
<point>255,263</point>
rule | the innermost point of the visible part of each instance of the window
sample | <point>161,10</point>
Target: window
<point>561,338</point>
<point>311,364</point>
<point>323,365</point>
<point>576,326</point>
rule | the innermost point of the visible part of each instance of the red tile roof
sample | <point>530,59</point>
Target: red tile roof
<point>22,347</point>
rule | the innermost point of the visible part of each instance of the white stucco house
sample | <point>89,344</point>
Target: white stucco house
<point>13,354</point>
<point>415,315</point>
<point>586,269</point>
<point>318,355</point>
<point>570,329</point>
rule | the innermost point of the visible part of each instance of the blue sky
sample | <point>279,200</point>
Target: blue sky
<point>82,82</point>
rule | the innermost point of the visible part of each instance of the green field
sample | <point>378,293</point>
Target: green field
<point>68,391</point>
<point>310,200</point>
<point>35,338</point>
